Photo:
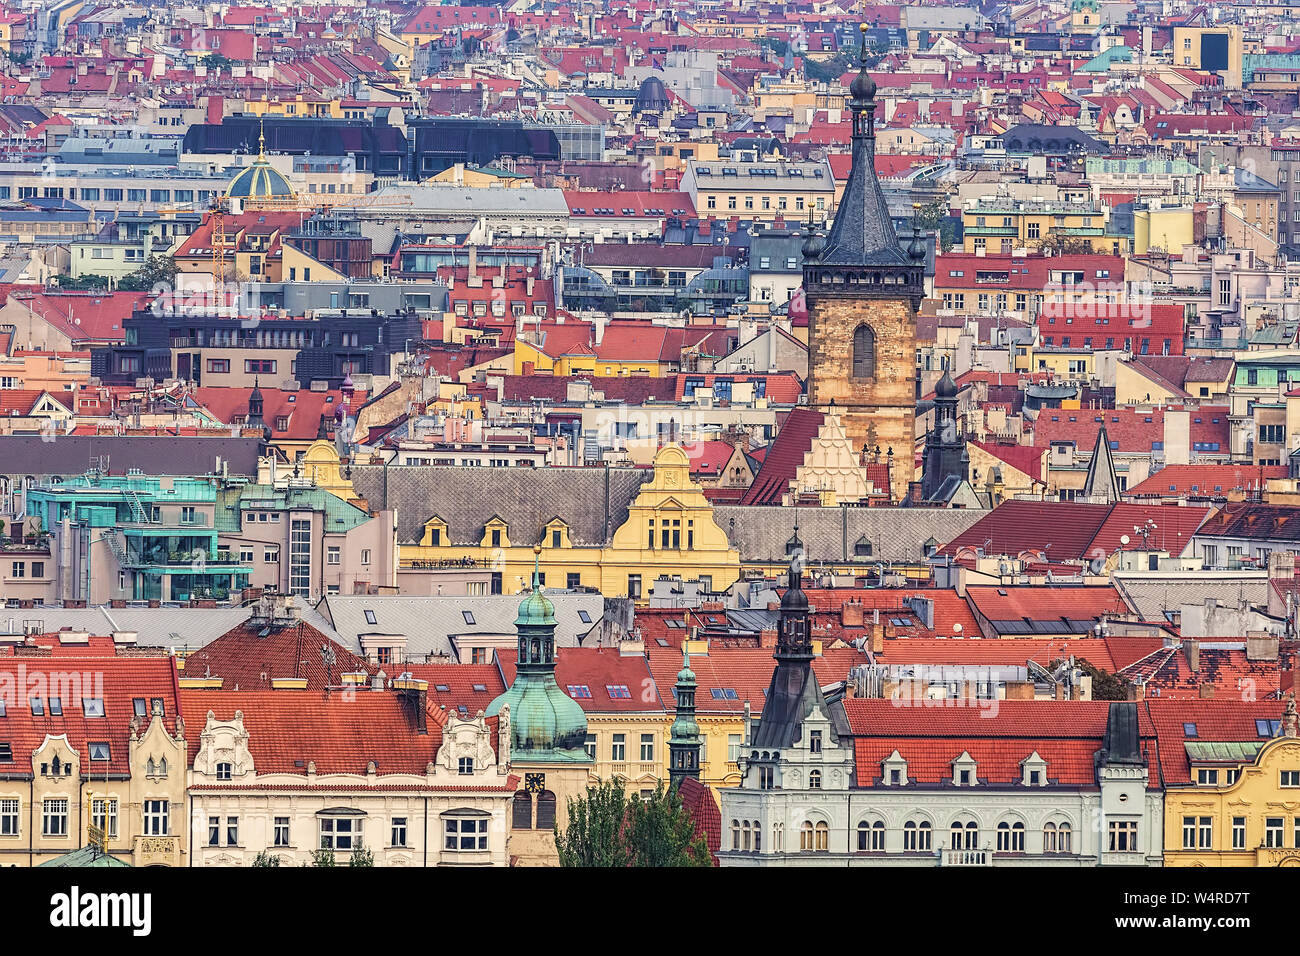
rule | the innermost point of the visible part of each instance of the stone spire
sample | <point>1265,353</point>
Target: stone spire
<point>1102,484</point>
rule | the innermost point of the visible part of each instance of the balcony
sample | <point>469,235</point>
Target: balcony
<point>157,851</point>
<point>966,858</point>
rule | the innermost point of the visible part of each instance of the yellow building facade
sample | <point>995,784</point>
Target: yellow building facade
<point>1254,820</point>
<point>670,531</point>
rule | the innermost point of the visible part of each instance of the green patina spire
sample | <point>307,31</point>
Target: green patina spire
<point>684,744</point>
<point>546,725</point>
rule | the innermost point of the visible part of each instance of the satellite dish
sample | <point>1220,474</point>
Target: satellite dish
<point>957,628</point>
<point>1123,539</point>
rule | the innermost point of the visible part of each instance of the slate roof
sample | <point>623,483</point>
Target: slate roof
<point>592,501</point>
<point>1257,521</point>
<point>828,534</point>
<point>72,454</point>
<point>1151,593</point>
<point>431,624</point>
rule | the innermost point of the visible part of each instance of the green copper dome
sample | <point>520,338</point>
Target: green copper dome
<point>546,724</point>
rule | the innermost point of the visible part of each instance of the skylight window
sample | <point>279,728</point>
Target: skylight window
<point>618,692</point>
<point>577,691</point>
<point>723,693</point>
<point>370,617</point>
<point>468,616</point>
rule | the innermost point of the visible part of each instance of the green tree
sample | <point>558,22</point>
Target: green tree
<point>661,833</point>
<point>322,858</point>
<point>361,856</point>
<point>216,61</point>
<point>81,283</point>
<point>157,270</point>
<point>594,835</point>
<point>607,829</point>
<point>1105,685</point>
<point>266,859</point>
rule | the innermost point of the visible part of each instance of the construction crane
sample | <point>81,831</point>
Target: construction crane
<point>217,218</point>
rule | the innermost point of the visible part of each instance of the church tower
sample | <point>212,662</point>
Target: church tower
<point>945,447</point>
<point>684,744</point>
<point>862,291</point>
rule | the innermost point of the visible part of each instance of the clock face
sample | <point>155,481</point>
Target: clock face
<point>534,782</point>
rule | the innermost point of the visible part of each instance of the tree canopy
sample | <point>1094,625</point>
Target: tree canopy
<point>607,828</point>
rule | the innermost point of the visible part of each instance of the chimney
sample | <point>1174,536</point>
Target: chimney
<point>767,637</point>
<point>415,696</point>
<point>851,614</point>
<point>1192,648</point>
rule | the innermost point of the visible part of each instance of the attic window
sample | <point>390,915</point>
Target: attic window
<point>618,692</point>
<point>370,617</point>
<point>6,753</point>
<point>93,706</point>
<point>480,688</point>
<point>724,693</point>
<point>1189,730</point>
<point>468,616</point>
<point>100,751</point>
<point>579,691</point>
<point>1268,728</point>
<point>139,707</point>
<point>584,617</point>
<point>441,688</point>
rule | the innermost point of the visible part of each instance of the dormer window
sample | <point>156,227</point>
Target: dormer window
<point>963,771</point>
<point>894,770</point>
<point>223,771</point>
<point>1033,771</point>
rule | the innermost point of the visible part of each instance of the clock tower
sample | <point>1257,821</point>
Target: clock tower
<point>547,733</point>
<point>863,289</point>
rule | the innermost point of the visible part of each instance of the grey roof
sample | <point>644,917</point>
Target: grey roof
<point>593,502</point>
<point>464,201</point>
<point>431,624</point>
<point>182,628</point>
<point>863,231</point>
<point>760,533</point>
<point>73,454</point>
<point>1152,593</point>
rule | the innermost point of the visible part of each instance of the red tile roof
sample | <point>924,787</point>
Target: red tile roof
<point>340,733</point>
<point>1215,720</point>
<point>246,660</point>
<point>116,680</point>
<point>1066,734</point>
<point>1210,481</point>
<point>784,457</point>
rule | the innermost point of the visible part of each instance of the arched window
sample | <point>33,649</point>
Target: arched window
<point>735,834</point>
<point>805,836</point>
<point>746,837</point>
<point>778,837</point>
<point>964,836</point>
<point>918,837</point>
<point>864,353</point>
<point>1049,837</point>
<point>823,832</point>
<point>1056,838</point>
<point>546,810</point>
<point>814,780</point>
<point>758,837</point>
<point>1011,837</point>
<point>871,836</point>
<point>522,815</point>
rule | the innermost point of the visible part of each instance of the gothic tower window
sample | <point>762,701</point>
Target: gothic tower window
<point>864,352</point>
<point>522,817</point>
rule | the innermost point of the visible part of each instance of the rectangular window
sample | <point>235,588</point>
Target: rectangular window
<point>214,831</point>
<point>618,750</point>
<point>281,831</point>
<point>1273,832</point>
<point>340,833</point>
<point>647,747</point>
<point>1291,778</point>
<point>1123,836</point>
<point>465,833</point>
<point>1239,833</point>
<point>399,831</point>
<point>300,556</point>
<point>54,818</point>
<point>156,818</point>
<point>634,586</point>
<point>332,554</point>
<point>9,817</point>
